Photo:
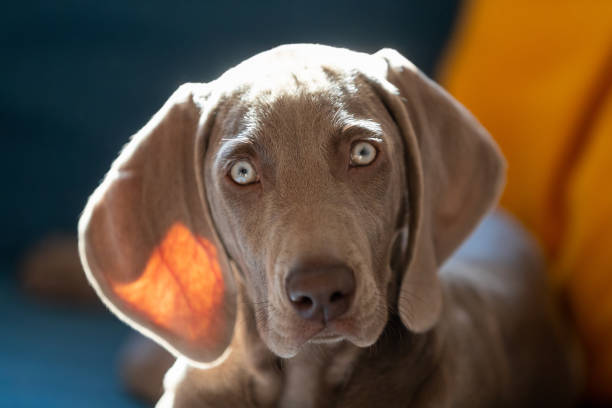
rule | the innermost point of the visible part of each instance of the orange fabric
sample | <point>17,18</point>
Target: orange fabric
<point>538,74</point>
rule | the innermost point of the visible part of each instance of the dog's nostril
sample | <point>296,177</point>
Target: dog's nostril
<point>303,302</point>
<point>336,296</point>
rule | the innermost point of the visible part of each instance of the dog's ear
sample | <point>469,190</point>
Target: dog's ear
<point>147,241</point>
<point>455,173</point>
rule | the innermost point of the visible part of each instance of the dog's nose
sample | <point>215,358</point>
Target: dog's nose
<point>320,292</point>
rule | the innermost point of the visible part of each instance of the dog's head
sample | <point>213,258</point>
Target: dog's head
<point>312,169</point>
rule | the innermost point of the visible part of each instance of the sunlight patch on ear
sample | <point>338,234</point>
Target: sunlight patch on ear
<point>181,288</point>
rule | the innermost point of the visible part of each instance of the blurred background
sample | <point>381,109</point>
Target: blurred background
<point>79,77</point>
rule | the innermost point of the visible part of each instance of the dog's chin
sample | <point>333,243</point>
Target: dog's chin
<point>288,342</point>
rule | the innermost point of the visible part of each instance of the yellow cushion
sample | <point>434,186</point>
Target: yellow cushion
<point>538,74</point>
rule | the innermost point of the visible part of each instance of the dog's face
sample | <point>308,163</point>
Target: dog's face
<point>309,168</point>
<point>312,220</point>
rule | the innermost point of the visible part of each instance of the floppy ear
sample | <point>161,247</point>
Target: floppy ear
<point>455,174</point>
<point>146,239</point>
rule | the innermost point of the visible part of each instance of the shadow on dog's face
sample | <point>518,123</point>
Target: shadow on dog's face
<point>304,181</point>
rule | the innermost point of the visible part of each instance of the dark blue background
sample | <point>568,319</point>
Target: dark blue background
<point>79,77</point>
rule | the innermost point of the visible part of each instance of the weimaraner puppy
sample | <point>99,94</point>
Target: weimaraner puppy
<point>287,231</point>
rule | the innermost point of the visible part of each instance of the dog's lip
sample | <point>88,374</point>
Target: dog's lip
<point>326,335</point>
<point>319,332</point>
<point>330,331</point>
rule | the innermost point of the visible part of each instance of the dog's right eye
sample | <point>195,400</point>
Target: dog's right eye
<point>363,154</point>
<point>243,172</point>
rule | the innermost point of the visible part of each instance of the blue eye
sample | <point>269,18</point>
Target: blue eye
<point>362,154</point>
<point>242,172</point>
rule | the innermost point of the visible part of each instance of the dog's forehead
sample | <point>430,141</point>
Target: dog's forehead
<point>299,70</point>
<point>310,62</point>
<point>291,90</point>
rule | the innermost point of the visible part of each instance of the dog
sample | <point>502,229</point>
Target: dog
<point>287,231</point>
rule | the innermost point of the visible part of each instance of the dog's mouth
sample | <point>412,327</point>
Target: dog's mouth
<point>319,333</point>
<point>326,336</point>
<point>286,337</point>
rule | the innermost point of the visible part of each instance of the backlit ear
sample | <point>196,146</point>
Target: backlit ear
<point>455,173</point>
<point>147,241</point>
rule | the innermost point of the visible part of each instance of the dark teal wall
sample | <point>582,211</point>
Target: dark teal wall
<point>78,77</point>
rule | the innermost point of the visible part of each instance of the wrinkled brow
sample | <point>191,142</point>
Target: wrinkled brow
<point>242,145</point>
<point>345,127</point>
<point>349,126</point>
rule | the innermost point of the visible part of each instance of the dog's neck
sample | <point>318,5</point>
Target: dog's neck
<point>312,377</point>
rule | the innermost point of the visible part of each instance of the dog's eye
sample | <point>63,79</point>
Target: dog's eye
<point>362,154</point>
<point>242,172</point>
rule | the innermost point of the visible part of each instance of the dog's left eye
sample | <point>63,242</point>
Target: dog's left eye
<point>242,172</point>
<point>362,154</point>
